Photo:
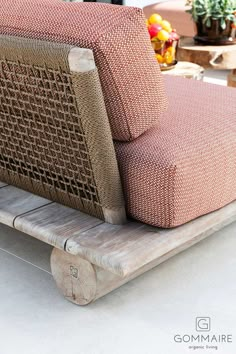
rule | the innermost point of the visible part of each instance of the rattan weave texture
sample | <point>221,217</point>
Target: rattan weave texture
<point>52,122</point>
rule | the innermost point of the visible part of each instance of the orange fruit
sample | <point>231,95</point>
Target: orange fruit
<point>160,58</point>
<point>163,35</point>
<point>168,58</point>
<point>155,19</point>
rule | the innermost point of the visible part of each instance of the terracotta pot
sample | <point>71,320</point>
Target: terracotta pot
<point>215,34</point>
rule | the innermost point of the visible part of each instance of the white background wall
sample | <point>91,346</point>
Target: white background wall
<point>140,3</point>
<point>136,3</point>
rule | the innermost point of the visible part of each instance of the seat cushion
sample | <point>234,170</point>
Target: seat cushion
<point>129,73</point>
<point>185,166</point>
<point>175,12</point>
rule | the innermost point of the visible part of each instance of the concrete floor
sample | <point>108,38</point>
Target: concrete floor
<point>142,317</point>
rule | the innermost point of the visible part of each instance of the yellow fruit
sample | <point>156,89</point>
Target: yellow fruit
<point>168,58</point>
<point>160,58</point>
<point>171,50</point>
<point>155,19</point>
<point>166,26</point>
<point>163,35</point>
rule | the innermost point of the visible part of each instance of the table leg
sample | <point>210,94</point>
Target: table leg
<point>232,78</point>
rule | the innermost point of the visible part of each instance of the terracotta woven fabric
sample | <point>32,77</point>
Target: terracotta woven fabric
<point>130,76</point>
<point>186,165</point>
<point>175,12</point>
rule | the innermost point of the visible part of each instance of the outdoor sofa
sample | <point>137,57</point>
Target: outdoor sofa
<point>101,156</point>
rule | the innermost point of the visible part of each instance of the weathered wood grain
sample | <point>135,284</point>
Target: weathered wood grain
<point>208,56</point>
<point>122,250</point>
<point>117,217</point>
<point>79,281</point>
<point>82,282</point>
<point>81,60</point>
<point>75,277</point>
<point>15,201</point>
<point>55,224</point>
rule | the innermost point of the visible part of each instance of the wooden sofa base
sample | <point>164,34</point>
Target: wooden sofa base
<point>90,257</point>
<point>82,282</point>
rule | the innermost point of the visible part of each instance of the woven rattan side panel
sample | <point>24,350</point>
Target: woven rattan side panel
<point>45,143</point>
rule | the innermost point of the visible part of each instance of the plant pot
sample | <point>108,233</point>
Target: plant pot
<point>215,34</point>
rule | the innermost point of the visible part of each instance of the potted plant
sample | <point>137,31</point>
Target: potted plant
<point>215,20</point>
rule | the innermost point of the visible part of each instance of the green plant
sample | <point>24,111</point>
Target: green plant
<point>221,10</point>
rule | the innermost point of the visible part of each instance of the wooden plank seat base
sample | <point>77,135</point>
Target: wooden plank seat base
<point>91,257</point>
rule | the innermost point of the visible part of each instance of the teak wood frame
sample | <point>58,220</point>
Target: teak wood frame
<point>91,257</point>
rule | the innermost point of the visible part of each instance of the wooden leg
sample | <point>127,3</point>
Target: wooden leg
<point>74,276</point>
<point>232,78</point>
<point>82,282</point>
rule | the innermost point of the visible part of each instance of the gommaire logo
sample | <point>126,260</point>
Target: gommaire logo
<point>203,339</point>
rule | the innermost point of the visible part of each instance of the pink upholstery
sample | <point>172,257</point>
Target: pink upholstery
<point>186,165</point>
<point>130,75</point>
<point>175,12</point>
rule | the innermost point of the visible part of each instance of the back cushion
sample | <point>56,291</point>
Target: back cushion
<point>130,76</point>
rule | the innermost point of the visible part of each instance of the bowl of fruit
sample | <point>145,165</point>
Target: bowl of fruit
<point>164,40</point>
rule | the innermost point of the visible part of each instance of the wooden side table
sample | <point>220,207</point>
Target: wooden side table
<point>187,70</point>
<point>209,56</point>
